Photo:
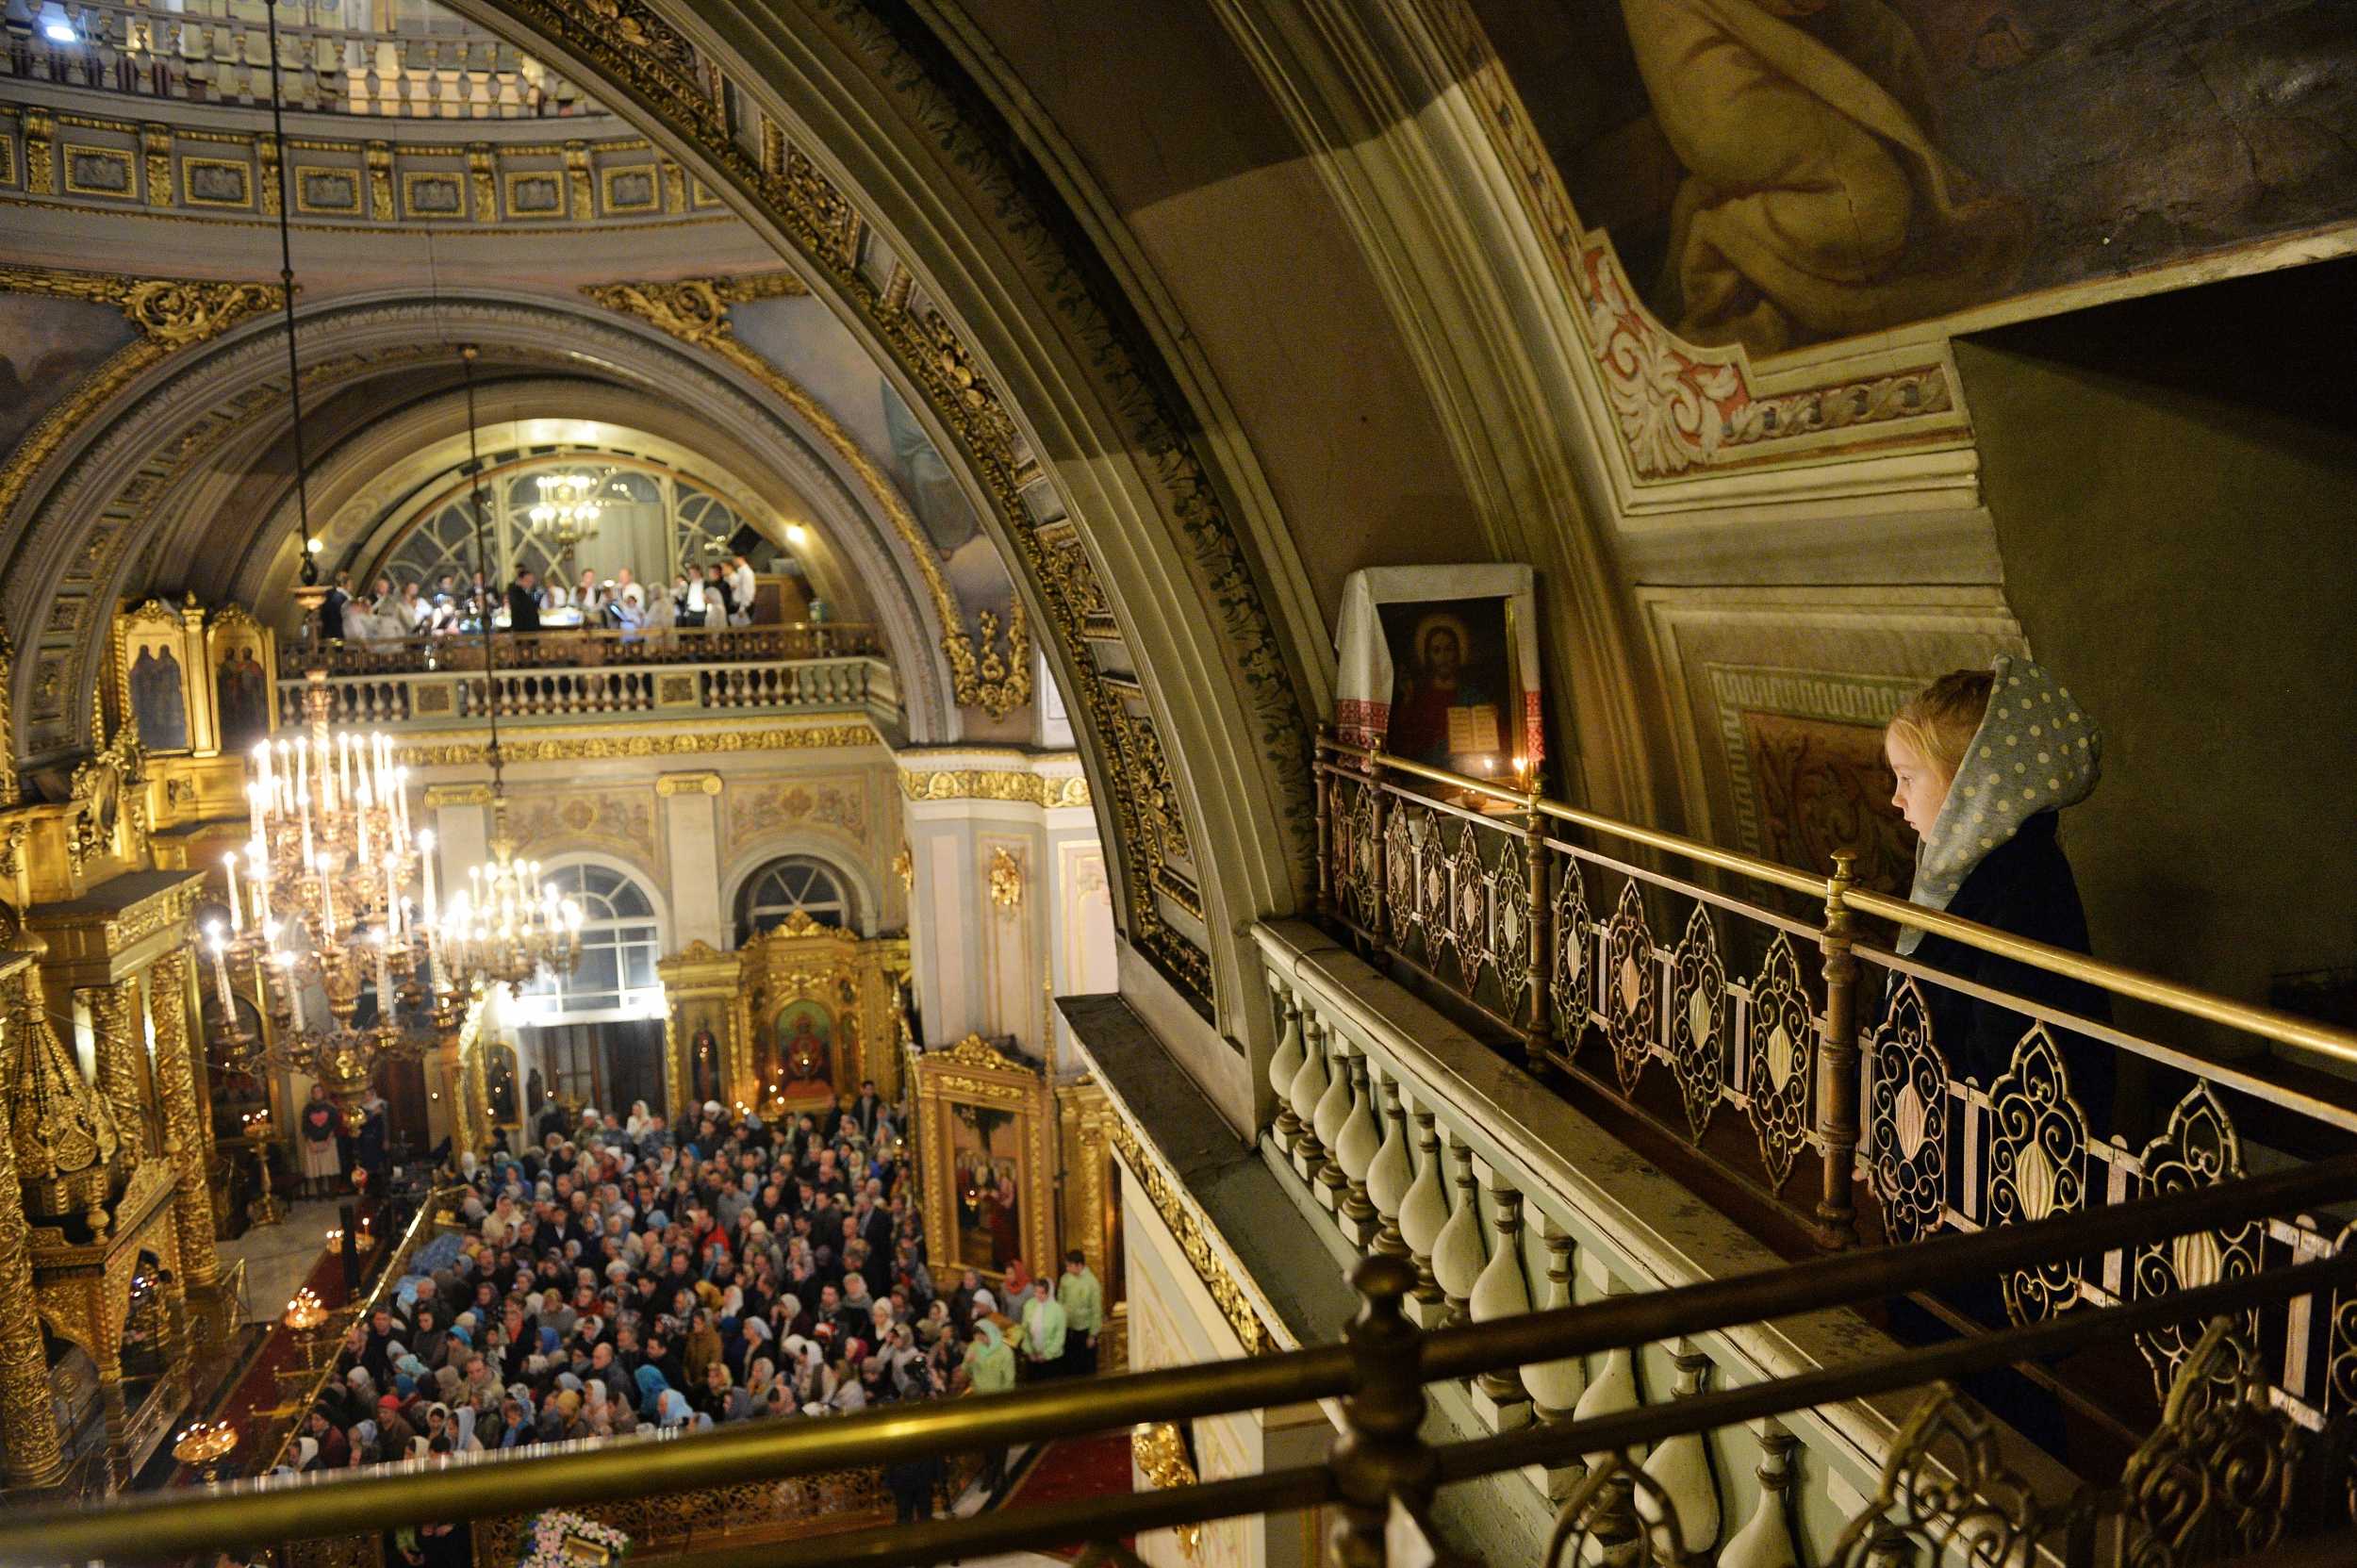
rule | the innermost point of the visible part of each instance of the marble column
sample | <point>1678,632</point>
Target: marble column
<point>169,979</point>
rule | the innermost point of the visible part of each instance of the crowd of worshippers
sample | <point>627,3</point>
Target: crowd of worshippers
<point>384,614</point>
<point>627,1274</point>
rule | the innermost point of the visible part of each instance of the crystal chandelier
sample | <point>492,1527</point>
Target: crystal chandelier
<point>503,926</point>
<point>568,508</point>
<point>322,910</point>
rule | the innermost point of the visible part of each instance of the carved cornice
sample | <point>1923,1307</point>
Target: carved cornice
<point>602,745</point>
<point>1049,791</point>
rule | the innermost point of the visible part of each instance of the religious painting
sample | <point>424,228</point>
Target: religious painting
<point>48,345</point>
<point>216,182</point>
<point>801,1053</point>
<point>536,196</point>
<point>155,681</point>
<point>1778,174</point>
<point>97,171</point>
<point>432,195</point>
<point>1438,666</point>
<point>986,1148</point>
<point>327,190</point>
<point>631,190</point>
<point>245,672</point>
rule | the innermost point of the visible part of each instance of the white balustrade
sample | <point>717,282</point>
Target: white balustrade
<point>553,692</point>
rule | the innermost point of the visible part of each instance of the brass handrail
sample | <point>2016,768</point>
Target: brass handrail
<point>389,1275</point>
<point>2265,1022</point>
<point>267,1510</point>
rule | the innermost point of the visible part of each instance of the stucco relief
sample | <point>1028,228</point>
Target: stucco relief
<point>617,820</point>
<point>768,808</point>
<point>1805,760</point>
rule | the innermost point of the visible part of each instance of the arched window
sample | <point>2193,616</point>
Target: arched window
<point>620,943</point>
<point>782,886</point>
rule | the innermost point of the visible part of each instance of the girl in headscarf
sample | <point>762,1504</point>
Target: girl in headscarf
<point>652,1388</point>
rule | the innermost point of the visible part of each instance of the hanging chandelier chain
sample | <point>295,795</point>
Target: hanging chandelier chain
<point>286,291</point>
<point>482,554</point>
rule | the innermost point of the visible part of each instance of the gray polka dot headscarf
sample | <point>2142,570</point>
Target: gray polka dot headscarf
<point>2035,751</point>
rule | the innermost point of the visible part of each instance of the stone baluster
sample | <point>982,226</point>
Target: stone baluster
<point>1391,1172</point>
<point>1681,1466</point>
<point>1355,1146</point>
<point>1501,1290</point>
<point>1286,1064</point>
<point>1457,1255</point>
<point>1556,1386</point>
<point>1766,1541</point>
<point>1333,1109</point>
<point>1423,1214</point>
<point>1308,1086</point>
<point>1615,1387</point>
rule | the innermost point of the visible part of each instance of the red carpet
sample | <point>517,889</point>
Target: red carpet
<point>1075,1468</point>
<point>248,1404</point>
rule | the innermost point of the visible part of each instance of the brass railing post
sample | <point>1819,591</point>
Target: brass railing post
<point>1379,814</point>
<point>1323,760</point>
<point>1378,1454</point>
<point>1539,1039</point>
<point>1838,1064</point>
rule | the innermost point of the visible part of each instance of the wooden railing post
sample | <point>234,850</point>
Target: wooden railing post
<point>1838,1064</point>
<point>1323,759</point>
<point>1378,1454</point>
<point>1539,1039</point>
<point>1379,814</point>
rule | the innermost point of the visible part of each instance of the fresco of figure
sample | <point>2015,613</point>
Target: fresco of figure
<point>1816,202</point>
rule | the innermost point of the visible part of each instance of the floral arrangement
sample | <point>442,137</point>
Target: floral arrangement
<point>560,1539</point>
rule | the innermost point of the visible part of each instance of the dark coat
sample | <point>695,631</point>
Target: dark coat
<point>524,609</point>
<point>2024,888</point>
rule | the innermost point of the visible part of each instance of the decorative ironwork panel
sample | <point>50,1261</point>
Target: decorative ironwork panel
<point>1946,1487</point>
<point>1400,842</point>
<point>1512,931</point>
<point>1629,987</point>
<point>1780,1068</point>
<point>2340,1372</point>
<point>1354,849</point>
<point>1908,1120</point>
<point>2198,1148</point>
<point>2036,1168</point>
<point>2221,1476</point>
<point>1698,1006</point>
<point>1469,907</point>
<point>1569,968</point>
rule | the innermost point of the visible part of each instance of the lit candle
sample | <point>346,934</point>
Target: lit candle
<point>237,908</point>
<point>261,885</point>
<point>384,977</point>
<point>221,979</point>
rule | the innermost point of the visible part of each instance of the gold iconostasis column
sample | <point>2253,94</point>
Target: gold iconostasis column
<point>33,1456</point>
<point>113,1008</point>
<point>168,993</point>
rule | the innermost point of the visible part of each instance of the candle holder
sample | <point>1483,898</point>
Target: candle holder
<point>304,1316</point>
<point>267,1208</point>
<point>204,1447</point>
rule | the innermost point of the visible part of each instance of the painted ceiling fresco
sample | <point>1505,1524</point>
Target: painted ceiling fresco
<point>1781,172</point>
<point>46,346</point>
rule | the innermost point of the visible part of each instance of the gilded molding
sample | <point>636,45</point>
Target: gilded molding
<point>11,788</point>
<point>435,752</point>
<point>437,796</point>
<point>169,315</point>
<point>993,682</point>
<point>1049,791</point>
<point>169,981</point>
<point>687,783</point>
<point>1006,880</point>
<point>30,1455</point>
<point>1234,1305</point>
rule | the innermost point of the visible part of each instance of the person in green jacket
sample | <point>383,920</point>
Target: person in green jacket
<point>989,1364</point>
<point>1083,1302</point>
<point>1042,1332</point>
<point>990,1369</point>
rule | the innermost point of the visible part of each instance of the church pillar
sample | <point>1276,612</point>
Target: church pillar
<point>169,979</point>
<point>691,828</point>
<point>32,1456</point>
<point>121,1042</point>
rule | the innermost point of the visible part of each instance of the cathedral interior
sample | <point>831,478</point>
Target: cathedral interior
<point>1217,783</point>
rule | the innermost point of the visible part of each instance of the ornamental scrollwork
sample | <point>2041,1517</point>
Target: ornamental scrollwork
<point>1780,1061</point>
<point>983,672</point>
<point>1698,1006</point>
<point>1570,981</point>
<point>2198,1147</point>
<point>1630,987</point>
<point>2036,1168</point>
<point>1946,1487</point>
<point>1234,1305</point>
<point>1908,1116</point>
<point>2221,1476</point>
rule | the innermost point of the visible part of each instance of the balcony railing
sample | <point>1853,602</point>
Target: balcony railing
<point>595,675</point>
<point>2224,1472</point>
<point>218,52</point>
<point>1796,1060</point>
